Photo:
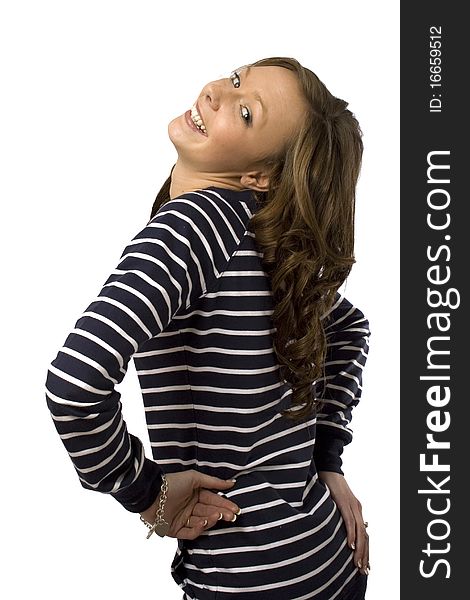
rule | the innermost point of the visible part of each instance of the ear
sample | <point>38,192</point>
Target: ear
<point>255,180</point>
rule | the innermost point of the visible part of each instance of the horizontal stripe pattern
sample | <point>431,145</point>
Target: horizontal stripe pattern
<point>190,302</point>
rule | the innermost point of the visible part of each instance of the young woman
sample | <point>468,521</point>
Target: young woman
<point>249,360</point>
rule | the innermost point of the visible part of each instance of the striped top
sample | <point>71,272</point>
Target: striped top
<point>190,302</point>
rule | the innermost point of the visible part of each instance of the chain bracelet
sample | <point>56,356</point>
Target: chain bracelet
<point>160,526</point>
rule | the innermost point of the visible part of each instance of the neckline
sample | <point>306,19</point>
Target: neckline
<point>246,195</point>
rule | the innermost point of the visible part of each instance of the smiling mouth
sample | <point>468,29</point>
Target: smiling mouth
<point>192,124</point>
<point>197,119</point>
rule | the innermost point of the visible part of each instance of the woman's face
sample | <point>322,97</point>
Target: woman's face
<point>247,117</point>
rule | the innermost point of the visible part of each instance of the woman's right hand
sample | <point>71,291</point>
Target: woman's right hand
<point>190,497</point>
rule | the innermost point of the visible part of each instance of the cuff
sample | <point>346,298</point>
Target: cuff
<point>143,492</point>
<point>327,455</point>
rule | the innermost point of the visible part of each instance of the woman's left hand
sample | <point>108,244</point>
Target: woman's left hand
<point>351,511</point>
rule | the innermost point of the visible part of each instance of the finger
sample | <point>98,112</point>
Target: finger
<point>195,522</point>
<point>365,555</point>
<point>360,555</point>
<point>350,523</point>
<point>214,518</point>
<point>217,501</point>
<point>210,482</point>
<point>206,510</point>
<point>195,528</point>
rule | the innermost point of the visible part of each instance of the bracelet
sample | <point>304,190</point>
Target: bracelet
<point>160,526</point>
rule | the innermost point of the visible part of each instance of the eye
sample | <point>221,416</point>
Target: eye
<point>246,115</point>
<point>235,77</point>
<point>245,112</point>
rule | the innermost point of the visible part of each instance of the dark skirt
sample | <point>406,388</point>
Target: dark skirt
<point>355,590</point>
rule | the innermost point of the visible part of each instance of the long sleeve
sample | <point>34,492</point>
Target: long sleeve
<point>347,333</point>
<point>167,267</point>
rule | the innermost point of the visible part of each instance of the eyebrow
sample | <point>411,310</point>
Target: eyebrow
<point>256,94</point>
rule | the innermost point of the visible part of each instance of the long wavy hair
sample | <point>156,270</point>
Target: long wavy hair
<point>304,228</point>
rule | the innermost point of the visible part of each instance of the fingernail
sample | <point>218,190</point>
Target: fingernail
<point>204,523</point>
<point>231,481</point>
<point>366,571</point>
<point>239,511</point>
<point>220,516</point>
<point>359,564</point>
<point>234,518</point>
<point>353,545</point>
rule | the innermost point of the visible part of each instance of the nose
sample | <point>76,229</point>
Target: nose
<point>214,94</point>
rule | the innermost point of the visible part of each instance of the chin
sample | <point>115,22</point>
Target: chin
<point>175,132</point>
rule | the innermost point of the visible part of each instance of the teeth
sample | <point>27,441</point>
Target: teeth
<point>197,119</point>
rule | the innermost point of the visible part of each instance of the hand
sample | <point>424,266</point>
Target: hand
<point>351,511</point>
<point>187,497</point>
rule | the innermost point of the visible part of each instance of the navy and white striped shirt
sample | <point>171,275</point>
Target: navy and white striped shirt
<point>190,302</point>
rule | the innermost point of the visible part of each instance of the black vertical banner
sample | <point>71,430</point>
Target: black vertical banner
<point>434,263</point>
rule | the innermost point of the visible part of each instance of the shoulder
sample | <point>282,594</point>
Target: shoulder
<point>206,213</point>
<point>203,224</point>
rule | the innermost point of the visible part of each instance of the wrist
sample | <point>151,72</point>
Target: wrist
<point>329,475</point>
<point>149,513</point>
<point>153,517</point>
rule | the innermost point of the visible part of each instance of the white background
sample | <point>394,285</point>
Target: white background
<point>88,89</point>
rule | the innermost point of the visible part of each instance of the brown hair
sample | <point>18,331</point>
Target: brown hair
<point>304,227</point>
